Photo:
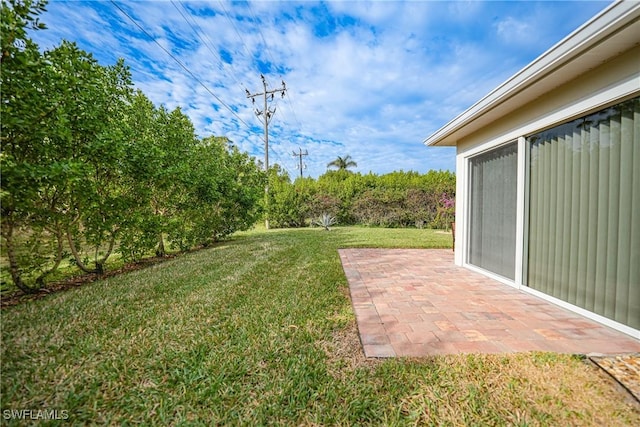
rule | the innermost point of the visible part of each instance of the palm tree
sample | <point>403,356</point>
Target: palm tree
<point>342,163</point>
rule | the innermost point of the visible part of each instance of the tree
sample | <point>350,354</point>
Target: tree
<point>242,190</point>
<point>31,237</point>
<point>90,106</point>
<point>396,199</point>
<point>16,16</point>
<point>223,190</point>
<point>141,161</point>
<point>173,145</point>
<point>91,167</point>
<point>284,208</point>
<point>342,163</point>
<point>383,207</point>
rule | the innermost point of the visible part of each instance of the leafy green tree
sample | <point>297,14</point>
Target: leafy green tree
<point>31,237</point>
<point>284,206</point>
<point>60,151</point>
<point>90,104</point>
<point>16,17</point>
<point>382,207</point>
<point>216,192</point>
<point>140,228</point>
<point>419,205</point>
<point>200,212</point>
<point>176,141</point>
<point>344,186</point>
<point>397,199</point>
<point>342,163</point>
<point>241,187</point>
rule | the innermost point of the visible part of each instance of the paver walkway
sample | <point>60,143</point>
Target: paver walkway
<point>417,302</point>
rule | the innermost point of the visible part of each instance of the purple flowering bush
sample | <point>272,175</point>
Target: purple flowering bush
<point>446,210</point>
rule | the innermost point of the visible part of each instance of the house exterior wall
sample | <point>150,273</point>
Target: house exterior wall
<point>610,83</point>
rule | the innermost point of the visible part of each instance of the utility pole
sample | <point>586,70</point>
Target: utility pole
<point>266,114</point>
<point>300,154</point>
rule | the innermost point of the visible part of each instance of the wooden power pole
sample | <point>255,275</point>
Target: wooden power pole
<point>299,154</point>
<point>266,114</point>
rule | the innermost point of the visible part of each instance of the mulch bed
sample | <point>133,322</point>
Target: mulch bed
<point>75,282</point>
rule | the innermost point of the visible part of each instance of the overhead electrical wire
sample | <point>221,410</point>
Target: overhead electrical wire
<point>271,58</point>
<point>228,16</point>
<point>268,50</point>
<point>207,43</point>
<point>251,59</point>
<point>181,65</point>
<point>281,163</point>
<point>195,78</point>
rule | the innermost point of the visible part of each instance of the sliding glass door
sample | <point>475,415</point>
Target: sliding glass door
<point>584,212</point>
<point>492,214</point>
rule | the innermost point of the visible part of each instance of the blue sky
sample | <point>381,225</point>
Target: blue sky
<point>367,79</point>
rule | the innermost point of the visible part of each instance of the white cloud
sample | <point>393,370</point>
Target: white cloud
<point>369,79</point>
<point>514,30</point>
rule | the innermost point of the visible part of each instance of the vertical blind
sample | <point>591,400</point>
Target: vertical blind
<point>584,212</point>
<point>492,230</point>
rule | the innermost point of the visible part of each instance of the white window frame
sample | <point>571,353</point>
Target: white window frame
<point>587,105</point>
<point>467,213</point>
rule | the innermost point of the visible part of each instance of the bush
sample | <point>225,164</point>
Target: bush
<point>398,199</point>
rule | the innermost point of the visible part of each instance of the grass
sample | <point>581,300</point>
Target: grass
<point>260,331</point>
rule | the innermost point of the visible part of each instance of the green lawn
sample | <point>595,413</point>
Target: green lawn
<point>260,330</point>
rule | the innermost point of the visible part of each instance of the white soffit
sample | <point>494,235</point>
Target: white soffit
<point>613,31</point>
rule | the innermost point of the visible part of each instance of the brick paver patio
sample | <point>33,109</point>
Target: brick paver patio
<point>416,302</point>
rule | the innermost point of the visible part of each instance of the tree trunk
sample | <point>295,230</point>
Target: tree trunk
<point>101,262</point>
<point>59,238</point>
<point>14,268</point>
<point>160,250</point>
<point>99,269</point>
<point>76,255</point>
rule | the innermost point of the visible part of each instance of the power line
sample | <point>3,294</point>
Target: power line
<point>207,43</point>
<point>249,55</point>
<point>295,117</point>
<point>264,41</point>
<point>280,160</point>
<point>268,51</point>
<point>181,64</point>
